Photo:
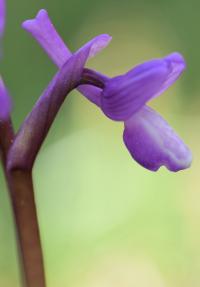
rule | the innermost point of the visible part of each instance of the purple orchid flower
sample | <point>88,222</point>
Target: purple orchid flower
<point>148,137</point>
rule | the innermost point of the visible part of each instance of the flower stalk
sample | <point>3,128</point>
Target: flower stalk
<point>6,139</point>
<point>20,186</point>
<point>21,189</point>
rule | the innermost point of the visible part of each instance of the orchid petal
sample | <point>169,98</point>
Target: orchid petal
<point>153,143</point>
<point>46,35</point>
<point>124,95</point>
<point>42,29</point>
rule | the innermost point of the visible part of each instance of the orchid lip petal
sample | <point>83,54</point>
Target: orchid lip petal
<point>153,143</point>
<point>124,95</point>
<point>5,102</point>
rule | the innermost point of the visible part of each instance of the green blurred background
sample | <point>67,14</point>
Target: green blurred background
<point>105,221</point>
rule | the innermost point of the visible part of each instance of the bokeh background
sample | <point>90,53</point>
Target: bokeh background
<point>105,221</point>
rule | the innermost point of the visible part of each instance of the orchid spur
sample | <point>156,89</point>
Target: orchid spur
<point>147,136</point>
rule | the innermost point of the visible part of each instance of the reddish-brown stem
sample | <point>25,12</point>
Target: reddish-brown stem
<point>6,140</point>
<point>20,187</point>
<point>22,196</point>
